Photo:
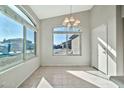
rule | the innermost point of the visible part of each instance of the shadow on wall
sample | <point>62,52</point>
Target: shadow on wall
<point>107,54</point>
<point>111,52</point>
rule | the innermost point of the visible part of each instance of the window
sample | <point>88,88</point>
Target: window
<point>11,41</point>
<point>59,44</point>
<point>17,38</point>
<point>30,43</point>
<point>66,41</point>
<point>73,42</point>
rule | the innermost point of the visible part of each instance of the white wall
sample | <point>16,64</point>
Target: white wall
<point>14,76</point>
<point>109,15</point>
<point>47,58</point>
<point>104,15</point>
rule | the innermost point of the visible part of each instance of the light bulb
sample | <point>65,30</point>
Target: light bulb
<point>68,25</point>
<point>77,21</point>
<point>75,24</point>
<point>64,23</point>
<point>72,19</point>
<point>66,20</point>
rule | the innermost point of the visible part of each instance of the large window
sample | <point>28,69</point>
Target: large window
<point>17,38</point>
<point>66,41</point>
<point>11,41</point>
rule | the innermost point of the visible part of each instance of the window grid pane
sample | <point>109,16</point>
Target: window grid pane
<point>73,44</point>
<point>30,43</point>
<point>11,42</point>
<point>59,44</point>
<point>71,41</point>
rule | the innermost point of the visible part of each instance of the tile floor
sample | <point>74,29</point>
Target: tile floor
<point>67,77</point>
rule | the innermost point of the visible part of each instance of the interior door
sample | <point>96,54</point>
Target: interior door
<point>102,59</point>
<point>99,48</point>
<point>102,48</point>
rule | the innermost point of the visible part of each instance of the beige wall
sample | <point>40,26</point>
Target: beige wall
<point>47,58</point>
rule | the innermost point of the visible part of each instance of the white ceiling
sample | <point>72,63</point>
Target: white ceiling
<point>48,11</point>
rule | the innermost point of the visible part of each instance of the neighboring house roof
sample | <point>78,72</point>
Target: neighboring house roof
<point>73,37</point>
<point>15,40</point>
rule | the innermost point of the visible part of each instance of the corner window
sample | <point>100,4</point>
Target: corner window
<point>17,38</point>
<point>11,42</point>
<point>66,41</point>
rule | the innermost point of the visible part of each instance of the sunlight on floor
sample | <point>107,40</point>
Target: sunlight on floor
<point>96,80</point>
<point>68,77</point>
<point>44,84</point>
<point>98,74</point>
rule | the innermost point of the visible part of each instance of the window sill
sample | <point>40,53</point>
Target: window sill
<point>6,69</point>
<point>67,55</point>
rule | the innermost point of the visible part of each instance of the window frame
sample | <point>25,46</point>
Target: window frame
<point>12,14</point>
<point>5,10</point>
<point>66,33</point>
<point>6,67</point>
<point>35,41</point>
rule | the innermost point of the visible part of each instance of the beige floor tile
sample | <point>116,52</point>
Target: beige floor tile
<point>68,77</point>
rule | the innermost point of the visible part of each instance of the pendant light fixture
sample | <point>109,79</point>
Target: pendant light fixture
<point>71,21</point>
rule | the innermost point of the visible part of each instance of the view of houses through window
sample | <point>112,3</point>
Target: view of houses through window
<point>30,43</point>
<point>66,42</point>
<point>59,44</point>
<point>12,37</point>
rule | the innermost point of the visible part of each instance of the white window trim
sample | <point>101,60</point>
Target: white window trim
<point>62,32</point>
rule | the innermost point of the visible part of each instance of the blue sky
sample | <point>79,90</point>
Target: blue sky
<point>11,29</point>
<point>59,38</point>
<point>30,35</point>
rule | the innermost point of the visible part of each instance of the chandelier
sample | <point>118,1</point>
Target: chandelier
<point>71,21</point>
